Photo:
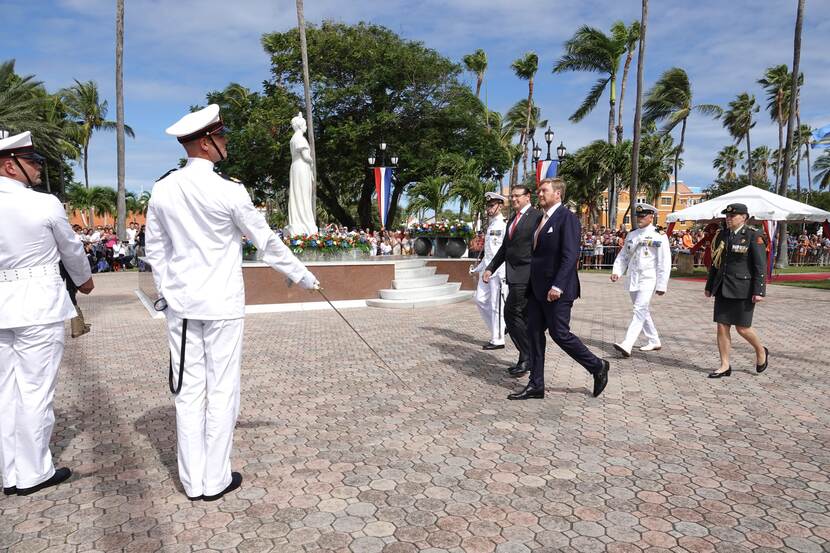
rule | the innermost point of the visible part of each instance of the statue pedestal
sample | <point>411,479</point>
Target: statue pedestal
<point>685,263</point>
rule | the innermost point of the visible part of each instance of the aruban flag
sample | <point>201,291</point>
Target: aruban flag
<point>546,169</point>
<point>383,189</point>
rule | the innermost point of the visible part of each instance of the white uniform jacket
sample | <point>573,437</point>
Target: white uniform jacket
<point>195,222</point>
<point>496,230</point>
<point>34,236</point>
<point>646,258</point>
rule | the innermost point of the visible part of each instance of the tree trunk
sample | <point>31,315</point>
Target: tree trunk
<point>612,138</point>
<point>748,159</point>
<point>809,174</point>
<point>527,125</point>
<point>779,161</point>
<point>121,196</point>
<point>626,68</point>
<point>638,108</point>
<point>783,254</point>
<point>798,150</point>
<point>334,207</point>
<point>479,80</point>
<point>677,165</point>
<point>308,110</point>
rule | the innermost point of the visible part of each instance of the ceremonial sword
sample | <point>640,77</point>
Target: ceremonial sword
<point>368,345</point>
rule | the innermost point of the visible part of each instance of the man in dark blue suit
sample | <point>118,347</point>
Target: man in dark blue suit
<point>554,285</point>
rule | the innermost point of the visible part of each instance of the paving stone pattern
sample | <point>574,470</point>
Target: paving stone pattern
<point>337,455</point>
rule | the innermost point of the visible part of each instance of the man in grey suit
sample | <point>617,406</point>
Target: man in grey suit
<point>515,252</point>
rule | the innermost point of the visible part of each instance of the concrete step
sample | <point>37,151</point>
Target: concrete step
<point>415,272</point>
<point>432,280</point>
<point>457,297</point>
<point>409,263</point>
<point>420,293</point>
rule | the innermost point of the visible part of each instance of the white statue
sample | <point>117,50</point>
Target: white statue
<point>300,205</point>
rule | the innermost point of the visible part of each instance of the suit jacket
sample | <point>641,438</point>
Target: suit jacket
<point>743,264</point>
<point>556,255</point>
<point>516,250</point>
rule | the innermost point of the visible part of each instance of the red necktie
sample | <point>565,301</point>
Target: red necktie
<point>515,222</point>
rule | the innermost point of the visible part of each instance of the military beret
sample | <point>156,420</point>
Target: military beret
<point>737,209</point>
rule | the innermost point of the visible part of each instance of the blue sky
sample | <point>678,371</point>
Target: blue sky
<point>177,50</point>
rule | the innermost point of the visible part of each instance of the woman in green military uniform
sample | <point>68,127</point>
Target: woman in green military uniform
<point>737,280</point>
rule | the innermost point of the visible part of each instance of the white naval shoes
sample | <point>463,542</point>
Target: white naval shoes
<point>624,351</point>
<point>651,347</point>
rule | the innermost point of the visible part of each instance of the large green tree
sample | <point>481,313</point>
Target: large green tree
<point>84,105</point>
<point>738,121</point>
<point>476,63</point>
<point>670,101</point>
<point>368,84</point>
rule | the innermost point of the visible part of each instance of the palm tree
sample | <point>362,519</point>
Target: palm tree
<point>634,186</point>
<point>525,68</point>
<point>79,198</point>
<point>804,138</point>
<point>516,120</point>
<point>309,116</point>
<point>477,63</point>
<point>727,160</point>
<point>121,202</point>
<point>822,170</point>
<point>84,105</point>
<point>777,82</point>
<point>670,101</point>
<point>738,121</point>
<point>143,202</point>
<point>103,200</point>
<point>629,36</point>
<point>761,157</point>
<point>430,193</point>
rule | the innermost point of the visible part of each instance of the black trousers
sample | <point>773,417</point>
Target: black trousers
<point>515,319</point>
<point>554,317</point>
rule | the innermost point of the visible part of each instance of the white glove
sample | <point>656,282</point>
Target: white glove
<point>309,282</point>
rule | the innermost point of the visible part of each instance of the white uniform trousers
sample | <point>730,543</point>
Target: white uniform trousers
<point>641,321</point>
<point>208,404</point>
<point>489,298</point>
<point>29,361</point>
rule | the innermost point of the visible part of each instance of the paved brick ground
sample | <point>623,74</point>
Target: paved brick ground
<point>338,456</point>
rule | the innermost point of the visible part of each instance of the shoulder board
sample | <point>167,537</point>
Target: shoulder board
<point>167,173</point>
<point>226,177</point>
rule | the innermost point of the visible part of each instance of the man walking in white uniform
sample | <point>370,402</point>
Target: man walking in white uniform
<point>35,236</point>
<point>646,258</point>
<point>489,296</point>
<point>195,222</point>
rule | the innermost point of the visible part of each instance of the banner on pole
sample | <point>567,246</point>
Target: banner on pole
<point>383,190</point>
<point>546,169</point>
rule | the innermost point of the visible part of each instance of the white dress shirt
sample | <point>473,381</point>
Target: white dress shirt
<point>195,223</point>
<point>34,232</point>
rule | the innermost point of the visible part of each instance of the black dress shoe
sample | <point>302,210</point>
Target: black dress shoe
<point>519,370</point>
<point>716,374</point>
<point>762,368</point>
<point>61,475</point>
<point>490,346</point>
<point>10,491</point>
<point>601,378</point>
<point>236,481</point>
<point>197,498</point>
<point>528,393</point>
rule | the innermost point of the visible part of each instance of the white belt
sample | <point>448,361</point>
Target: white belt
<point>25,273</point>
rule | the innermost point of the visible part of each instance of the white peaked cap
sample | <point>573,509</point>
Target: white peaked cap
<point>494,196</point>
<point>196,124</point>
<point>19,143</point>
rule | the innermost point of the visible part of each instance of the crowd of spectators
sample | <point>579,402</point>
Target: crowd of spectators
<point>106,253</point>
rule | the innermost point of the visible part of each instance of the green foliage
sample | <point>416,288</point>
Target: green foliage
<point>821,168</point>
<point>727,160</point>
<point>370,84</point>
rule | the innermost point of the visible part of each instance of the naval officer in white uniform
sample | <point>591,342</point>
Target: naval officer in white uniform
<point>646,259</point>
<point>195,222</point>
<point>489,296</point>
<point>34,236</point>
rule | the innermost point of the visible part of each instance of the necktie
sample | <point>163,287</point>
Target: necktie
<point>539,229</point>
<point>515,222</point>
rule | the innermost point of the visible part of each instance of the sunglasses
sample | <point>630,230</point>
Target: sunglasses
<point>34,158</point>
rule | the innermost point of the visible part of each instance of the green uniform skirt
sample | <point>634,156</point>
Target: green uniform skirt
<point>736,312</point>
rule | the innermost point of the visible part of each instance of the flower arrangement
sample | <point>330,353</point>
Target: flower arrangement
<point>327,243</point>
<point>248,248</point>
<point>456,229</point>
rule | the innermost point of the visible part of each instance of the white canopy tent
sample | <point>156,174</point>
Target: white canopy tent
<point>761,204</point>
